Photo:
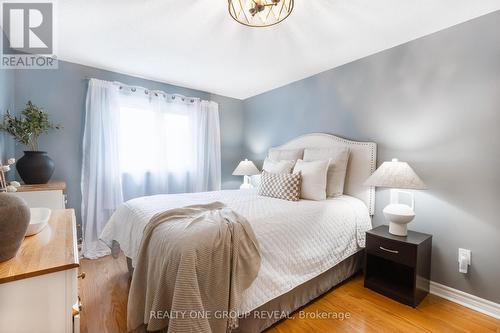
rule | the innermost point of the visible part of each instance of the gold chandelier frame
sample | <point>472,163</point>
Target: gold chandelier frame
<point>259,6</point>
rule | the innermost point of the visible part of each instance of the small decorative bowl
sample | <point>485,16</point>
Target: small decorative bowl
<point>39,220</point>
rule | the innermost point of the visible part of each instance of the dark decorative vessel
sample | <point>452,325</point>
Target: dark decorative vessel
<point>35,167</point>
<point>14,221</point>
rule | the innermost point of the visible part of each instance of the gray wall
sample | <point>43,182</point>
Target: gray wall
<point>6,103</point>
<point>231,124</point>
<point>62,94</point>
<point>434,102</point>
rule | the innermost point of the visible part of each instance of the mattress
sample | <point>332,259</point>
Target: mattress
<point>298,240</point>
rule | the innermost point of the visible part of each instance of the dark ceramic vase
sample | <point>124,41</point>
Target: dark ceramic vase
<point>35,167</point>
<point>14,221</point>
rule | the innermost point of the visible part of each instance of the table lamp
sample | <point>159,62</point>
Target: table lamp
<point>397,175</point>
<point>246,168</point>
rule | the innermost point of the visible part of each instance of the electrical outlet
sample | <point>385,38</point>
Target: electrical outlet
<point>464,260</point>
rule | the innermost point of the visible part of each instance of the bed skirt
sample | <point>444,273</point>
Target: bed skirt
<point>297,297</point>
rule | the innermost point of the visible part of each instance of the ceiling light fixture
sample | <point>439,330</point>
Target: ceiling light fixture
<point>260,13</point>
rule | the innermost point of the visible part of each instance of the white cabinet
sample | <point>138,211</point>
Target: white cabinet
<point>39,304</point>
<point>39,286</point>
<point>50,195</point>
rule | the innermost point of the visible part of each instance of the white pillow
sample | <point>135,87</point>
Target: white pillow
<point>339,157</point>
<point>272,166</point>
<point>276,154</point>
<point>313,178</point>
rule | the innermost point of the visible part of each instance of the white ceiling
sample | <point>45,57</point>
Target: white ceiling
<point>196,44</point>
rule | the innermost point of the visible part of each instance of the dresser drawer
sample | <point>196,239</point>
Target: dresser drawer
<point>399,252</point>
<point>48,199</point>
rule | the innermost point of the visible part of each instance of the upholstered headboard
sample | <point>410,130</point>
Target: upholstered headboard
<point>362,162</point>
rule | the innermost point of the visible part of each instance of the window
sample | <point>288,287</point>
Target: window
<point>138,142</point>
<point>155,142</point>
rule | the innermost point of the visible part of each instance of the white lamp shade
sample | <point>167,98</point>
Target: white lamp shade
<point>396,174</point>
<point>246,168</point>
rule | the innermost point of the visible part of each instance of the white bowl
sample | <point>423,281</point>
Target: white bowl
<point>39,220</point>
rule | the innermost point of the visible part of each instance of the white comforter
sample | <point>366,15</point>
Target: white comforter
<point>298,240</point>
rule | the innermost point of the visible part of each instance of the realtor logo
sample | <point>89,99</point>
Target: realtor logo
<point>28,33</point>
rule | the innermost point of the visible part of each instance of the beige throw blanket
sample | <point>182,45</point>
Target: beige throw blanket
<point>192,267</point>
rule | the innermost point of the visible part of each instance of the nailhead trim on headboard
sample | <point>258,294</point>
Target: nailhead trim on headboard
<point>372,165</point>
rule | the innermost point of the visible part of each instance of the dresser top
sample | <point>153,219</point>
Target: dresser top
<point>413,237</point>
<point>53,185</point>
<point>53,249</point>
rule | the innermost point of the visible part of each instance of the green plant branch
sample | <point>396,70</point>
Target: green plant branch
<point>29,126</point>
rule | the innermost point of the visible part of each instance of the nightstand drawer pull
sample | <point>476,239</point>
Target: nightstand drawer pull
<point>387,250</point>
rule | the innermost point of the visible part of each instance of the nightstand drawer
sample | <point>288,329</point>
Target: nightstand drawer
<point>403,253</point>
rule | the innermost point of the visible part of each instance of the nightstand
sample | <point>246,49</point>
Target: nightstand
<point>398,267</point>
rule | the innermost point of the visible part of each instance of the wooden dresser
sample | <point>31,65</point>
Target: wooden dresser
<point>39,286</point>
<point>50,195</point>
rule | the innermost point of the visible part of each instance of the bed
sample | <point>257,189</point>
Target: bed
<point>307,247</point>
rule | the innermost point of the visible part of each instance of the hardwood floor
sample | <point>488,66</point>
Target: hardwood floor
<point>104,297</point>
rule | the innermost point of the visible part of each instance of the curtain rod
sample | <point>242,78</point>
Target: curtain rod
<point>147,91</point>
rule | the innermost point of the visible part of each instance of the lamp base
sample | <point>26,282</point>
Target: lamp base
<point>398,216</point>
<point>398,229</point>
<point>247,184</point>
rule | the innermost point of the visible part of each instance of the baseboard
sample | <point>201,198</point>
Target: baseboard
<point>473,302</point>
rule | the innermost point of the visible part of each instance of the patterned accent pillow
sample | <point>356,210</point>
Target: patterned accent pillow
<point>284,186</point>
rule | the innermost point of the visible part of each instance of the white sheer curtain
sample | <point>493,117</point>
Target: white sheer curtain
<point>101,177</point>
<point>162,143</point>
<point>208,160</point>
